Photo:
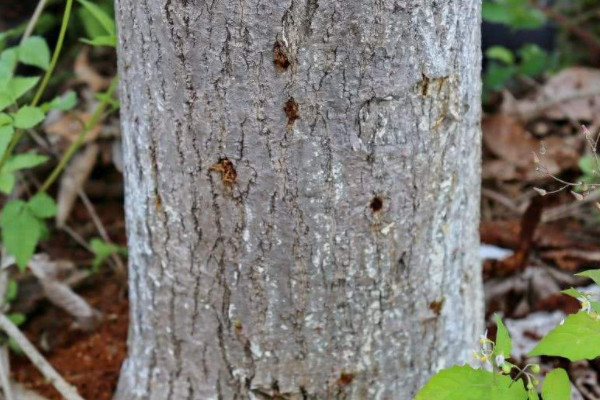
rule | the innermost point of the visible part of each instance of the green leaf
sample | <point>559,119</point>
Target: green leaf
<point>534,60</point>
<point>103,250</point>
<point>28,117</point>
<point>65,102</point>
<point>6,134</point>
<point>14,346</point>
<point>526,17</point>
<point>587,165</point>
<point>18,86</point>
<point>497,76</point>
<point>5,99</point>
<point>12,290</point>
<point>466,383</point>
<point>494,12</point>
<point>110,41</point>
<point>503,345</point>
<point>101,16</point>
<point>593,274</point>
<point>5,119</point>
<point>501,54</point>
<point>20,231</point>
<point>557,386</point>
<point>34,51</point>
<point>532,394</point>
<point>24,161</point>
<point>8,63</point>
<point>573,293</point>
<point>577,338</point>
<point>7,182</point>
<point>42,206</point>
<point>16,318</point>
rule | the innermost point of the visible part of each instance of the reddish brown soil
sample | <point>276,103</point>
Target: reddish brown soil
<point>90,361</point>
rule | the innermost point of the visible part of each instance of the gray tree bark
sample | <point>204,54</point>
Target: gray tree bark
<point>302,195</point>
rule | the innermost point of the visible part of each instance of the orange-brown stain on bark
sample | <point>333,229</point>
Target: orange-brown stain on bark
<point>228,173</point>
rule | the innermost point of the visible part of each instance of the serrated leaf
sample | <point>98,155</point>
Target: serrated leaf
<point>466,383</point>
<point>42,205</point>
<point>34,51</point>
<point>101,16</point>
<point>557,385</point>
<point>28,117</point>
<point>578,338</point>
<point>503,345</point>
<point>20,231</point>
<point>7,182</point>
<point>24,161</point>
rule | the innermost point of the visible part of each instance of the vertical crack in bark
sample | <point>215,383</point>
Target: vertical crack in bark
<point>294,265</point>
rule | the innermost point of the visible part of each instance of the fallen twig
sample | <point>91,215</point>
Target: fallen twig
<point>68,391</point>
<point>5,373</point>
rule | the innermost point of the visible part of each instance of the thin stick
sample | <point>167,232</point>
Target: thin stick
<point>4,373</point>
<point>119,266</point>
<point>68,391</point>
<point>34,19</point>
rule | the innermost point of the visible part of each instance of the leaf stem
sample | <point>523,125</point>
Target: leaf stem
<point>40,91</point>
<point>56,54</point>
<point>91,123</point>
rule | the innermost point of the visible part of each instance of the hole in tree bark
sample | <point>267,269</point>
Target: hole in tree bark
<point>280,58</point>
<point>436,306</point>
<point>291,111</point>
<point>345,379</point>
<point>376,204</point>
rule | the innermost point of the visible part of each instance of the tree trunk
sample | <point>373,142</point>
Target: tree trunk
<point>302,196</point>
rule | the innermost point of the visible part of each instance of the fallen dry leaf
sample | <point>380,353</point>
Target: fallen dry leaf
<point>69,125</point>
<point>505,137</point>
<point>73,179</point>
<point>61,294</point>
<point>87,74</point>
<point>573,93</point>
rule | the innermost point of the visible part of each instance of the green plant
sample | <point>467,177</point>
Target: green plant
<point>530,61</point>
<point>98,23</point>
<point>103,250</point>
<point>577,337</point>
<point>518,14</point>
<point>22,222</point>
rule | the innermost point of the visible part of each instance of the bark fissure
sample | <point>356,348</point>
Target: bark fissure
<point>300,176</point>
